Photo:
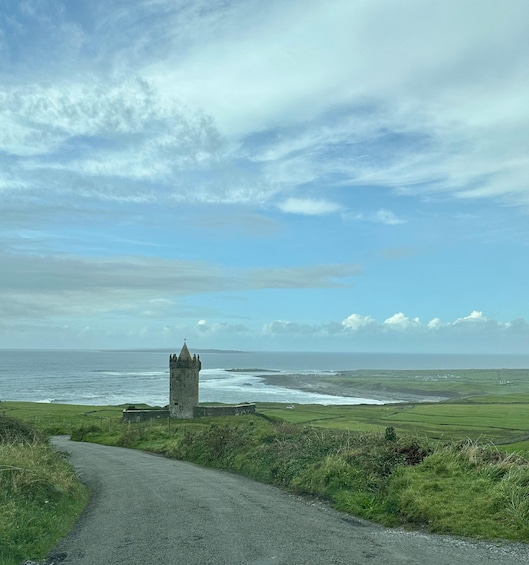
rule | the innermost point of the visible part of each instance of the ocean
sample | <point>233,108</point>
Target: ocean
<point>109,377</point>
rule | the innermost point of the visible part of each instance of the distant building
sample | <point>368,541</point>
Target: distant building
<point>183,384</point>
<point>184,372</point>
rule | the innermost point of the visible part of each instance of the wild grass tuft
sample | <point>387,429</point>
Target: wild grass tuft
<point>466,489</point>
<point>40,496</point>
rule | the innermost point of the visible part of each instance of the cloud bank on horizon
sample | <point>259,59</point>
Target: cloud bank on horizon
<point>283,175</point>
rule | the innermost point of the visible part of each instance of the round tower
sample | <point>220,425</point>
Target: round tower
<point>183,384</point>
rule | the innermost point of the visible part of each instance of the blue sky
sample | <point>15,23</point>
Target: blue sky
<point>281,175</point>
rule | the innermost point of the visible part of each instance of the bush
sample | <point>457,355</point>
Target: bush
<point>15,431</point>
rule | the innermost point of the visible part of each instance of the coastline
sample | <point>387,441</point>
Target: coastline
<point>321,385</point>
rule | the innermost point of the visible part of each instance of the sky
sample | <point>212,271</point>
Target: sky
<point>293,175</point>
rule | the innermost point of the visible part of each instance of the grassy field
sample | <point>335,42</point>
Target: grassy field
<point>485,405</point>
<point>57,419</point>
<point>456,383</point>
<point>452,384</point>
<point>501,420</point>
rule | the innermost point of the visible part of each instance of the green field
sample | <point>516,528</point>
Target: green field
<point>500,420</point>
<point>454,383</point>
<point>486,405</point>
<point>57,419</point>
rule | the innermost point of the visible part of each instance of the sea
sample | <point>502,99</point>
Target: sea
<point>116,377</point>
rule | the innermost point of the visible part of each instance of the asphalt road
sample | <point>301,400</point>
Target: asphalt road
<point>148,510</point>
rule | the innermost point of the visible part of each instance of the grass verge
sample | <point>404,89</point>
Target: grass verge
<point>40,496</point>
<point>455,487</point>
<point>426,474</point>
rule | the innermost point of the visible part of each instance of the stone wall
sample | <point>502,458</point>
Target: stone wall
<point>203,411</point>
<point>137,415</point>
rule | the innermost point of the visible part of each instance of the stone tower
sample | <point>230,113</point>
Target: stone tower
<point>183,388</point>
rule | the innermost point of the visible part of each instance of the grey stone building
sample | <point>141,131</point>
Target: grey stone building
<point>183,384</point>
<point>183,395</point>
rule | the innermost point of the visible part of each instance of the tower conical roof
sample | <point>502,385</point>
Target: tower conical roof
<point>184,354</point>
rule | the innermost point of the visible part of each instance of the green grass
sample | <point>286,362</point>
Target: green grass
<point>455,384</point>
<point>457,467</point>
<point>497,421</point>
<point>60,419</point>
<point>486,490</point>
<point>461,488</point>
<point>40,496</point>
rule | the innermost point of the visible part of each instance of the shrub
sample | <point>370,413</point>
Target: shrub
<point>15,431</point>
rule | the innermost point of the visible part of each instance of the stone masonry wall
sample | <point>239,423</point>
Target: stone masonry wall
<point>135,416</point>
<point>203,411</point>
<point>183,394</point>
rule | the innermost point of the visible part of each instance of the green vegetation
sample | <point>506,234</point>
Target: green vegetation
<point>500,420</point>
<point>58,419</point>
<point>460,488</point>
<point>40,496</point>
<point>454,383</point>
<point>456,467</point>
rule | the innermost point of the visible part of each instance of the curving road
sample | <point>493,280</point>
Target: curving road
<point>148,510</point>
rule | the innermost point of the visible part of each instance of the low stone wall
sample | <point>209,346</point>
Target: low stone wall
<point>137,415</point>
<point>203,411</point>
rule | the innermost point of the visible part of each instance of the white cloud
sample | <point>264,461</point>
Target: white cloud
<point>435,324</point>
<point>207,328</point>
<point>432,336</point>
<point>351,93</point>
<point>309,206</point>
<point>292,328</point>
<point>92,134</point>
<point>356,322</point>
<point>457,110</point>
<point>401,333</point>
<point>401,322</point>
<point>475,317</point>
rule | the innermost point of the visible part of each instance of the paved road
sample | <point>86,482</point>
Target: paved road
<point>148,510</point>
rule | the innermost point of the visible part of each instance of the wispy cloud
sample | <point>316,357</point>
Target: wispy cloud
<point>35,286</point>
<point>179,129</point>
<point>308,206</point>
<point>205,327</point>
<point>302,104</point>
